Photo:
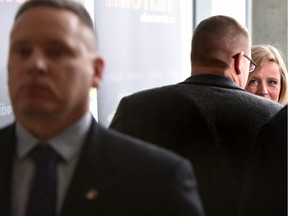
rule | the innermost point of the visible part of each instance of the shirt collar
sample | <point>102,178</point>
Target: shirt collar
<point>66,144</point>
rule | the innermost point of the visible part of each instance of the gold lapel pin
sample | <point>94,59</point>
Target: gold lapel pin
<point>91,194</point>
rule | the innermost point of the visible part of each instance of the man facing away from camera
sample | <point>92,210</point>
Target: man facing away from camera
<point>208,118</point>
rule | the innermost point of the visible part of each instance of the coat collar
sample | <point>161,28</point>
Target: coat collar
<point>212,80</point>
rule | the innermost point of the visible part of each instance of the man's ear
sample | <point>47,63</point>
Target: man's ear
<point>98,64</point>
<point>238,62</point>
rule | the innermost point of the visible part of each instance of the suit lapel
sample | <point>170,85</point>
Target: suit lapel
<point>7,148</point>
<point>93,181</point>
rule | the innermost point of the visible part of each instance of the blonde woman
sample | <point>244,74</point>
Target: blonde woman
<point>269,79</point>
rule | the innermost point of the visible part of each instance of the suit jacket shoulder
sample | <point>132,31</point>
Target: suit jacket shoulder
<point>131,178</point>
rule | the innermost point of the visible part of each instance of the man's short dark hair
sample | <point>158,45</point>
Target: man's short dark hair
<point>72,6</point>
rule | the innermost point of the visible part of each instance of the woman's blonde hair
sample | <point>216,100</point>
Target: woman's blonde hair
<point>262,54</point>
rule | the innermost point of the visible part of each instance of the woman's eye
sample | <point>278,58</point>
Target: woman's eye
<point>253,82</point>
<point>272,82</point>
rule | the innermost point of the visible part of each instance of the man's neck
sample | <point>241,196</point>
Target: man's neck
<point>45,128</point>
<point>215,70</point>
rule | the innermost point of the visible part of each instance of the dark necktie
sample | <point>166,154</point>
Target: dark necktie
<point>43,193</point>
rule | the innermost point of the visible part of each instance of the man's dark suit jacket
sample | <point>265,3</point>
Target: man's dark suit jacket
<point>208,119</point>
<point>265,191</point>
<point>127,176</point>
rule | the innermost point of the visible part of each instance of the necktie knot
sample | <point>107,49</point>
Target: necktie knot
<point>44,155</point>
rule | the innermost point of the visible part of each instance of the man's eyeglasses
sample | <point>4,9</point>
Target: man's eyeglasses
<point>252,65</point>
